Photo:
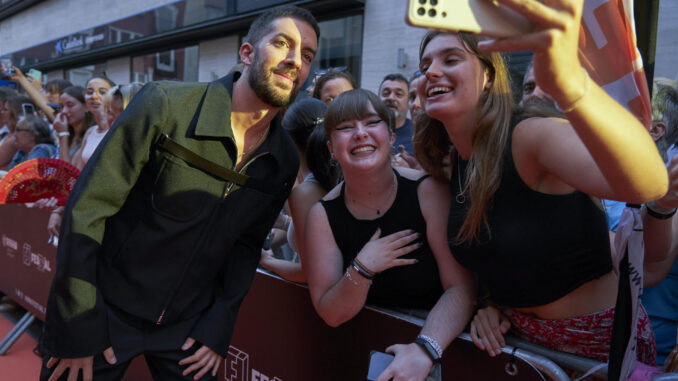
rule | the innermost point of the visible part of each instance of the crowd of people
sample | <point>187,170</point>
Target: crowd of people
<point>475,212</point>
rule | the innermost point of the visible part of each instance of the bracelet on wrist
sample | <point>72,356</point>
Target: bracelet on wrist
<point>362,270</point>
<point>348,276</point>
<point>63,133</point>
<point>658,212</point>
<point>429,348</point>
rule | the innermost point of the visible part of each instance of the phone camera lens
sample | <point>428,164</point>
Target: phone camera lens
<point>432,12</point>
<point>422,2</point>
<point>434,2</point>
<point>421,11</point>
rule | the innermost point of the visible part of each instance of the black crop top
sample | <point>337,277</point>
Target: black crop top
<point>411,286</point>
<point>542,246</point>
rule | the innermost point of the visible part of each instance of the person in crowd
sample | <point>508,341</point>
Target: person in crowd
<point>394,92</point>
<point>47,98</point>
<point>379,236</point>
<point>5,94</point>
<point>15,110</point>
<point>530,87</point>
<point>158,246</point>
<point>33,140</point>
<point>72,122</point>
<point>523,218</point>
<point>404,158</point>
<point>303,122</point>
<point>660,298</point>
<point>96,90</point>
<point>413,98</point>
<point>115,101</point>
<point>329,85</point>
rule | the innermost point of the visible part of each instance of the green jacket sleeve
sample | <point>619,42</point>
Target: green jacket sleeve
<point>76,322</point>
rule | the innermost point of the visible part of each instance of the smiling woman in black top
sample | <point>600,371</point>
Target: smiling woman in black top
<point>379,236</point>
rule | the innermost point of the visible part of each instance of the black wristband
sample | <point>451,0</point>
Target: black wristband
<point>430,351</point>
<point>659,216</point>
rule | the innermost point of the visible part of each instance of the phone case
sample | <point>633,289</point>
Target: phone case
<point>380,360</point>
<point>476,16</point>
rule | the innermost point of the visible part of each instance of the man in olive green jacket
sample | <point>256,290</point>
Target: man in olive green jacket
<point>163,231</point>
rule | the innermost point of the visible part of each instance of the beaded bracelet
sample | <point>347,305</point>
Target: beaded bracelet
<point>433,343</point>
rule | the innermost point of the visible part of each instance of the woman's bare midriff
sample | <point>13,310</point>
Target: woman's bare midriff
<point>591,297</point>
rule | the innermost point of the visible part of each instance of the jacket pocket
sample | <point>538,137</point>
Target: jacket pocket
<point>181,192</point>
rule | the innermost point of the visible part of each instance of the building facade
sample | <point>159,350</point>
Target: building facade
<point>198,40</point>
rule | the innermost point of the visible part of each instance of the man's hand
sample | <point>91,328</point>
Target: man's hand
<point>204,359</point>
<point>411,363</point>
<point>77,364</point>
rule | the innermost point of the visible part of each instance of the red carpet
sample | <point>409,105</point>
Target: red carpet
<point>19,363</point>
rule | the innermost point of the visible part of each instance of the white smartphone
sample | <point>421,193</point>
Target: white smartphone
<point>484,17</point>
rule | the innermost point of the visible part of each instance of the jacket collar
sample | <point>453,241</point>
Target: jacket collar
<point>214,113</point>
<point>213,120</point>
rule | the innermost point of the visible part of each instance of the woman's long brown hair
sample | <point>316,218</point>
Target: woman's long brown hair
<point>432,145</point>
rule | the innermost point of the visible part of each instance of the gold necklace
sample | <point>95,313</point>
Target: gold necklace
<point>249,149</point>
<point>378,210</point>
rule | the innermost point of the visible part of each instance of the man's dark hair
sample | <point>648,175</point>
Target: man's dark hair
<point>57,86</point>
<point>262,24</point>
<point>395,77</point>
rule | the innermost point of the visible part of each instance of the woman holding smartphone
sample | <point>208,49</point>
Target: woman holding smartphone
<point>379,236</point>
<point>523,217</point>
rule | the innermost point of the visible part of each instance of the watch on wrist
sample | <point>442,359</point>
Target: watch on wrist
<point>428,348</point>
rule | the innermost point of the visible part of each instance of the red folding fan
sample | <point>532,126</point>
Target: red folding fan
<point>36,179</point>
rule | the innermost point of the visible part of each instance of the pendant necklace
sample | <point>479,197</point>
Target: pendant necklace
<point>460,198</point>
<point>249,149</point>
<point>378,210</point>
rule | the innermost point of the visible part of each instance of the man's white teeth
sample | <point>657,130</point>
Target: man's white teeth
<point>363,149</point>
<point>438,90</point>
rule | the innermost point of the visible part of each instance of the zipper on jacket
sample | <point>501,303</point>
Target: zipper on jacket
<point>244,167</point>
<point>161,318</point>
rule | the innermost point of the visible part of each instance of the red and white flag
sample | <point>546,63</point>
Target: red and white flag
<point>607,50</point>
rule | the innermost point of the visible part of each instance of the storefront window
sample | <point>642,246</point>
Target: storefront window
<point>79,76</point>
<point>340,46</point>
<point>173,65</point>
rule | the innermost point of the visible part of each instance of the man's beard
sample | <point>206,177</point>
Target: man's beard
<point>261,81</point>
<point>393,106</point>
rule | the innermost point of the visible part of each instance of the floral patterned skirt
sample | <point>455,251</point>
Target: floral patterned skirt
<point>587,336</point>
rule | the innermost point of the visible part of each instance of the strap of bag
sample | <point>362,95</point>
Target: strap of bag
<point>198,161</point>
<point>622,325</point>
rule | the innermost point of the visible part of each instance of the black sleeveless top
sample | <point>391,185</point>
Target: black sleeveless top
<point>540,246</point>
<point>410,286</point>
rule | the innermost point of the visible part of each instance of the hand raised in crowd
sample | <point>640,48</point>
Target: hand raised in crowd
<point>54,223</point>
<point>23,80</point>
<point>410,363</point>
<point>488,328</point>
<point>76,365</point>
<point>380,254</point>
<point>203,360</point>
<point>60,123</point>
<point>404,159</point>
<point>46,203</point>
